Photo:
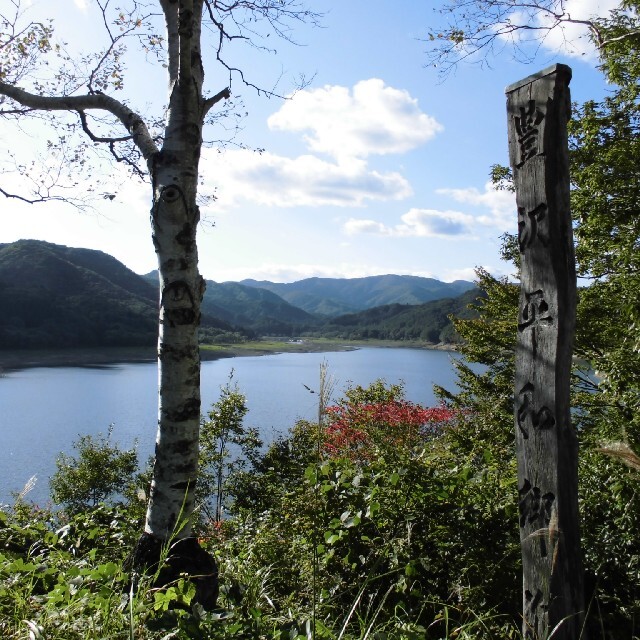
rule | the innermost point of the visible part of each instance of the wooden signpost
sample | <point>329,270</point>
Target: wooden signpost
<point>538,108</point>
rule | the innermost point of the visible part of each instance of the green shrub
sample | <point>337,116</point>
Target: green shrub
<point>227,447</point>
<point>392,537</point>
<point>100,472</point>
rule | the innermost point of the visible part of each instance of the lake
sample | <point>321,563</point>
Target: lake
<point>45,409</point>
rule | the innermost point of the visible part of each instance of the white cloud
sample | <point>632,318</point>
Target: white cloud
<point>467,273</point>
<point>501,204</point>
<point>355,226</point>
<point>422,223</point>
<point>372,118</point>
<point>348,125</point>
<point>272,180</point>
<point>433,223</point>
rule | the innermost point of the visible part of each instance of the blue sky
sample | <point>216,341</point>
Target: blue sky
<point>378,166</point>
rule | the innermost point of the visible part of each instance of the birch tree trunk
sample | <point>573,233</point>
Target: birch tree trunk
<point>174,169</point>
<point>174,220</point>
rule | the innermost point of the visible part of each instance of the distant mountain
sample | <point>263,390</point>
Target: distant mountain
<point>260,310</point>
<point>57,296</point>
<point>429,321</point>
<point>337,296</point>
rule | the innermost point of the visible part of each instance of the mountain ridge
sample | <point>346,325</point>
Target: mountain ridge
<point>350,295</point>
<point>74,297</point>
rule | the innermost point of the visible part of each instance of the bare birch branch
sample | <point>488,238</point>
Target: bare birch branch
<point>132,122</point>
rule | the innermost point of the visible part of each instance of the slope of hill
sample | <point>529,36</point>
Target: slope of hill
<point>58,296</point>
<point>429,321</point>
<point>336,296</point>
<point>260,310</point>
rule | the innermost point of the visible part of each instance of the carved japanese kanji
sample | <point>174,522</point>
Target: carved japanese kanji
<point>534,316</point>
<point>535,508</point>
<point>533,225</point>
<point>527,127</point>
<point>527,414</point>
<point>535,511</point>
<point>533,607</point>
<point>538,108</point>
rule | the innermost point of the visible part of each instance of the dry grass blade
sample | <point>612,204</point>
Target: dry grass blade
<point>31,482</point>
<point>623,452</point>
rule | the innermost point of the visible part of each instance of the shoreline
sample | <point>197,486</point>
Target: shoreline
<point>17,359</point>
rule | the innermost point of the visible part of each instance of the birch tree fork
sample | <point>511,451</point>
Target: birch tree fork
<point>171,162</point>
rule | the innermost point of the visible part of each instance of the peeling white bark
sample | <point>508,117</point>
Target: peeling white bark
<point>174,218</point>
<point>170,10</point>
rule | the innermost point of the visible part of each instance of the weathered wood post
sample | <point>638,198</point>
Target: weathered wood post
<point>538,108</point>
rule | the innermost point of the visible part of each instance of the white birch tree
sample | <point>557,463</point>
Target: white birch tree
<point>39,80</point>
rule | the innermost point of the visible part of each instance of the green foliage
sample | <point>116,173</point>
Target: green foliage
<point>214,335</point>
<point>226,447</point>
<point>428,322</point>
<point>392,540</point>
<point>64,581</point>
<point>606,178</point>
<point>100,472</point>
<point>606,186</point>
<point>275,472</point>
<point>608,490</point>
<point>486,395</point>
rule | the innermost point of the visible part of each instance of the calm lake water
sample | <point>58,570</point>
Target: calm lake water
<point>44,410</point>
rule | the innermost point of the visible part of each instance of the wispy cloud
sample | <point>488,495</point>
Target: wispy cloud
<point>272,180</point>
<point>428,223</point>
<point>501,204</point>
<point>369,119</point>
<point>434,223</point>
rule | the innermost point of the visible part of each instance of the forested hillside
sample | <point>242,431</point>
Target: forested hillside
<point>259,310</point>
<point>60,297</point>
<point>428,322</point>
<point>337,296</point>
<point>57,296</point>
